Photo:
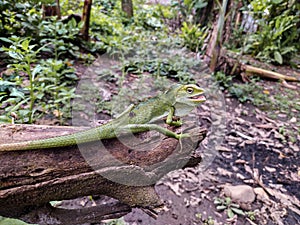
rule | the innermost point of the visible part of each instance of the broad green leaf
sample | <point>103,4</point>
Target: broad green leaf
<point>238,211</point>
<point>15,55</point>
<point>230,213</point>
<point>6,83</point>
<point>36,70</point>
<point>16,93</point>
<point>25,44</point>
<point>218,201</point>
<point>227,200</point>
<point>4,119</point>
<point>221,207</point>
<point>9,221</point>
<point>200,5</point>
<point>278,57</point>
<point>6,40</point>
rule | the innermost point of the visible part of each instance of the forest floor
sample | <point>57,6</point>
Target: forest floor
<point>259,150</point>
<point>255,152</point>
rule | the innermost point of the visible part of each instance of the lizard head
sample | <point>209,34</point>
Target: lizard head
<point>189,94</point>
<point>185,97</point>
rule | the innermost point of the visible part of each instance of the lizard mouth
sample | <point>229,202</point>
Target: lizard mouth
<point>198,98</point>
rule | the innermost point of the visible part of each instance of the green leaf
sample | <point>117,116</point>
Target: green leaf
<point>6,83</point>
<point>230,213</point>
<point>9,221</point>
<point>276,1</point>
<point>238,211</point>
<point>218,201</point>
<point>25,44</point>
<point>4,119</point>
<point>227,201</point>
<point>200,5</point>
<point>6,40</point>
<point>36,70</point>
<point>16,93</point>
<point>15,55</point>
<point>278,57</point>
<point>221,207</point>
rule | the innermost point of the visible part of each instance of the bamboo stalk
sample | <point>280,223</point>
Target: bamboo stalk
<point>268,74</point>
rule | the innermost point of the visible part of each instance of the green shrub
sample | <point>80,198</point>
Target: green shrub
<point>193,36</point>
<point>277,39</point>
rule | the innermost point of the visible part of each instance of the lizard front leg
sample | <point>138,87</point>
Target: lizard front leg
<point>135,128</point>
<point>170,120</point>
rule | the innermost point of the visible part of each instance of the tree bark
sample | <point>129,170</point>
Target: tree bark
<point>127,7</point>
<point>29,180</point>
<point>58,9</point>
<point>86,14</point>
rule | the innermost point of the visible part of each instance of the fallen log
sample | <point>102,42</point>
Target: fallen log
<point>233,63</point>
<point>29,180</point>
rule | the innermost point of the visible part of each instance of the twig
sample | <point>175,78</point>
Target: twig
<point>285,84</point>
<point>251,222</point>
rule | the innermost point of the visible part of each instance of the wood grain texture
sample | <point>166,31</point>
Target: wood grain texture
<point>30,179</point>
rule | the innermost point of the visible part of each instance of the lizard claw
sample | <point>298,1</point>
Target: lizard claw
<point>176,123</point>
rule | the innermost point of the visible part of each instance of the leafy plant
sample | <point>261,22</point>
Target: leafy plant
<point>225,81</point>
<point>208,221</point>
<point>175,67</point>
<point>43,85</point>
<point>24,55</point>
<point>189,9</point>
<point>11,93</point>
<point>106,5</point>
<point>276,40</point>
<point>61,36</point>
<point>56,83</point>
<point>230,207</point>
<point>193,36</point>
<point>19,18</point>
<point>148,18</point>
<point>251,92</point>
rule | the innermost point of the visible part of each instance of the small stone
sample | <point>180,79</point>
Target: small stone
<point>242,194</point>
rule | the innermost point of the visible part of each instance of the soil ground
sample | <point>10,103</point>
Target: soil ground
<point>250,154</point>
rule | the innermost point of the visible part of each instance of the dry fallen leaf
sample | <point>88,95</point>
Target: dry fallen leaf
<point>270,169</point>
<point>175,187</point>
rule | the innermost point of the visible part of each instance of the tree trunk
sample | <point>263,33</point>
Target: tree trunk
<point>31,179</point>
<point>50,10</point>
<point>127,7</point>
<point>58,9</point>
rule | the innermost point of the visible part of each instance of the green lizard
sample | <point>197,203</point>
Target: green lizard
<point>178,101</point>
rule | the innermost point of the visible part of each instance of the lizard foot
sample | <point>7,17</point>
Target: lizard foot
<point>180,136</point>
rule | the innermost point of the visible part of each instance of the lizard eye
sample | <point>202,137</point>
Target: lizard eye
<point>190,90</point>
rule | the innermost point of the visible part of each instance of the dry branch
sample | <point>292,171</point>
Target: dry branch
<point>30,179</point>
<point>233,63</point>
<point>267,74</point>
